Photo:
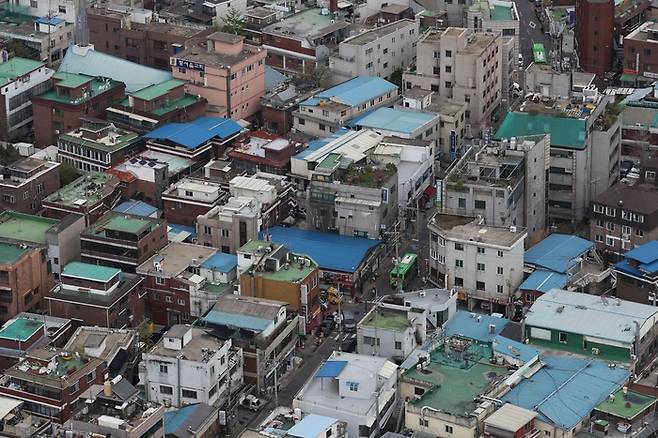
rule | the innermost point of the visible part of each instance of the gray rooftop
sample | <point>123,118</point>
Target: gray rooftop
<point>468,229</point>
<point>309,24</point>
<point>192,350</point>
<point>369,36</point>
<point>249,306</point>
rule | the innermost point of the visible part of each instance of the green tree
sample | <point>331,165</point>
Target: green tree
<point>19,49</point>
<point>396,78</point>
<point>319,76</point>
<point>67,174</point>
<point>234,22</point>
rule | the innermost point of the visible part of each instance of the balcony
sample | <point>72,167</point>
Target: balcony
<point>20,388</point>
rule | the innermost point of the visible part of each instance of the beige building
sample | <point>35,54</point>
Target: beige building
<point>229,226</point>
<point>464,66</point>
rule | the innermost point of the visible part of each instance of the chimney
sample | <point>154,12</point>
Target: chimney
<point>333,6</point>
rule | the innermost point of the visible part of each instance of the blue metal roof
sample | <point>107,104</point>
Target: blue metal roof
<point>196,133</point>
<point>138,208</point>
<point>390,119</point>
<point>324,247</point>
<point>509,347</point>
<point>178,228</point>
<point>273,78</point>
<point>544,281</point>
<point>93,63</point>
<point>221,262</point>
<point>644,254</point>
<point>53,21</point>
<point>317,144</point>
<point>354,92</point>
<point>331,368</point>
<point>474,326</point>
<point>247,322</point>
<point>566,390</point>
<point>645,258</point>
<point>557,252</point>
<point>175,419</point>
<point>311,426</point>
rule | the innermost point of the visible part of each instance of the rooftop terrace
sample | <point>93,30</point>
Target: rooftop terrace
<point>10,253</point>
<point>295,272</point>
<point>17,67</point>
<point>73,80</point>
<point>387,319</point>
<point>84,191</point>
<point>114,140</point>
<point>626,406</point>
<point>25,227</point>
<point>366,176</point>
<point>310,23</point>
<point>20,329</point>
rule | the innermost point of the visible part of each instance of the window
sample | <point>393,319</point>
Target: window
<point>609,211</point>
<point>322,127</point>
<point>500,253</point>
<point>598,208</point>
<point>398,345</point>
<point>166,390</point>
<point>159,280</point>
<point>62,9</point>
<point>448,53</point>
<point>610,226</point>
<point>639,232</point>
<point>423,422</point>
<point>459,263</point>
<point>459,246</point>
<point>369,340</point>
<point>442,241</point>
<point>226,233</point>
<point>481,267</point>
<point>91,376</point>
<point>625,229</point>
<point>499,288</point>
<point>609,241</point>
<point>499,270</point>
<point>479,285</point>
<point>599,223</point>
<point>459,282</point>
<point>448,429</point>
<point>34,4</point>
<point>207,229</point>
<point>189,394</point>
<point>328,434</point>
<point>480,250</point>
<point>181,302</point>
<point>650,174</point>
<point>598,238</point>
<point>480,205</point>
<point>448,69</point>
<point>461,202</point>
<point>563,337</point>
<point>448,84</point>
<point>168,299</point>
<point>442,259</point>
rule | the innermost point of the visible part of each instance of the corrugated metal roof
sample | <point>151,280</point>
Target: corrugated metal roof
<point>566,390</point>
<point>474,326</point>
<point>311,426</point>
<point>646,253</point>
<point>509,347</point>
<point>565,132</point>
<point>390,119</point>
<point>196,133</point>
<point>544,281</point>
<point>178,422</point>
<point>137,208</point>
<point>590,315</point>
<point>237,320</point>
<point>510,418</point>
<point>273,78</point>
<point>557,252</point>
<point>7,405</point>
<point>354,92</point>
<point>331,368</point>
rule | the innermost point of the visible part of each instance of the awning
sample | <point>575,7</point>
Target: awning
<point>430,191</point>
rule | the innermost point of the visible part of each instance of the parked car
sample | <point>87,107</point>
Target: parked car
<point>349,344</point>
<point>349,321</point>
<point>251,402</point>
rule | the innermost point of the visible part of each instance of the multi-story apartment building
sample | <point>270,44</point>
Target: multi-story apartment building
<point>45,37</point>
<point>329,110</point>
<point>25,277</point>
<point>483,263</point>
<point>53,394</point>
<point>137,35</point>
<point>228,73</point>
<point>594,35</point>
<point>122,240</point>
<point>21,80</point>
<point>262,152</point>
<point>504,182</point>
<point>268,270</point>
<point>190,366</point>
<point>640,50</point>
<point>272,195</point>
<point>26,183</point>
<point>74,97</point>
<point>97,146</point>
<point>191,197</point>
<point>298,44</point>
<point>636,274</point>
<point>97,295</point>
<point>376,52</point>
<point>229,226</point>
<point>585,150</point>
<point>464,66</point>
<point>89,196</point>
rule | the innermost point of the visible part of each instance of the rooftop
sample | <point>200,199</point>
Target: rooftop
<point>10,254</point>
<point>626,404</point>
<point>136,208</point>
<point>589,315</point>
<point>64,367</point>
<point>20,329</point>
<point>192,351</point>
<point>88,338</point>
<point>501,12</point>
<point>113,140</point>
<point>154,91</point>
<point>585,383</point>
<point>196,133</point>
<point>311,426</point>
<point>354,91</point>
<point>565,132</point>
<point>323,247</point>
<point>399,120</point>
<point>468,229</point>
<point>71,80</point>
<point>16,67</point>
<point>221,262</point>
<point>25,227</point>
<point>557,252</point>
<point>86,60</point>
<point>175,164</point>
<point>639,198</point>
<point>296,271</point>
<point>216,59</point>
<point>308,24</point>
<point>175,258</point>
<point>369,36</point>
<point>510,418</point>
<point>644,258</point>
<point>387,318</point>
<point>87,190</point>
<point>544,281</point>
<point>474,326</point>
<point>178,422</point>
<point>88,271</point>
<point>122,223</point>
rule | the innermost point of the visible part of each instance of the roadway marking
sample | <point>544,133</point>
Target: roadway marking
<point>532,24</point>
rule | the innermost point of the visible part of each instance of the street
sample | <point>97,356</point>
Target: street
<point>530,30</point>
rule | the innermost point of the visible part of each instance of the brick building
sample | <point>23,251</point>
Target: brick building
<point>74,97</point>
<point>123,241</point>
<point>641,51</point>
<point>191,197</point>
<point>262,152</point>
<point>25,183</point>
<point>25,277</point>
<point>594,33</point>
<point>97,296</point>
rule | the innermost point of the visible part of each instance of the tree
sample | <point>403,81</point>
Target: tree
<point>67,174</point>
<point>396,78</point>
<point>234,22</point>
<point>8,155</point>
<point>19,49</point>
<point>318,76</point>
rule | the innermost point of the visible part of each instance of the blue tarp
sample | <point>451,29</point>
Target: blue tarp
<point>557,252</point>
<point>331,368</point>
<point>196,133</point>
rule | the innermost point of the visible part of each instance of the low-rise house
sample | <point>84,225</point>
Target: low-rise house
<point>616,329</point>
<point>97,295</point>
<point>272,194</point>
<point>137,208</point>
<point>17,422</point>
<point>440,305</point>
<point>29,331</point>
<point>400,122</point>
<point>229,226</point>
<point>191,197</point>
<point>190,366</point>
<point>26,184</point>
<point>391,331</point>
<point>51,382</point>
<point>264,330</point>
<point>123,241</point>
<point>118,348</point>
<point>637,274</point>
<point>262,152</point>
<point>357,389</point>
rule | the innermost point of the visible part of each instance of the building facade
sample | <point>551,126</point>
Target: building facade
<point>594,35</point>
<point>26,183</point>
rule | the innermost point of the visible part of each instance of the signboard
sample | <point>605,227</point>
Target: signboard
<point>439,193</point>
<point>453,145</point>
<point>182,63</point>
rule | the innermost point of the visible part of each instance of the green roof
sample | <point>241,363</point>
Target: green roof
<point>499,13</point>
<point>20,329</point>
<point>9,254</point>
<point>70,80</point>
<point>17,67</point>
<point>455,384</point>
<point>25,227</point>
<point>126,139</point>
<point>183,102</point>
<point>218,288</point>
<point>127,224</point>
<point>157,90</point>
<point>626,406</point>
<point>254,244</point>
<point>329,162</point>
<point>388,319</point>
<point>91,272</point>
<point>81,188</point>
<point>565,132</point>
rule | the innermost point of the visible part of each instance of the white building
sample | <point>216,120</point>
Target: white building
<point>64,9</point>
<point>376,52</point>
<point>439,304</point>
<point>353,388</point>
<point>190,366</point>
<point>219,9</point>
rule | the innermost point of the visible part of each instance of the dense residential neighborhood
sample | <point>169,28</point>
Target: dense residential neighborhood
<point>329,219</point>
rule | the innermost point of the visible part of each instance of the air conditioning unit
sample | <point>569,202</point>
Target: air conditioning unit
<point>595,351</point>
